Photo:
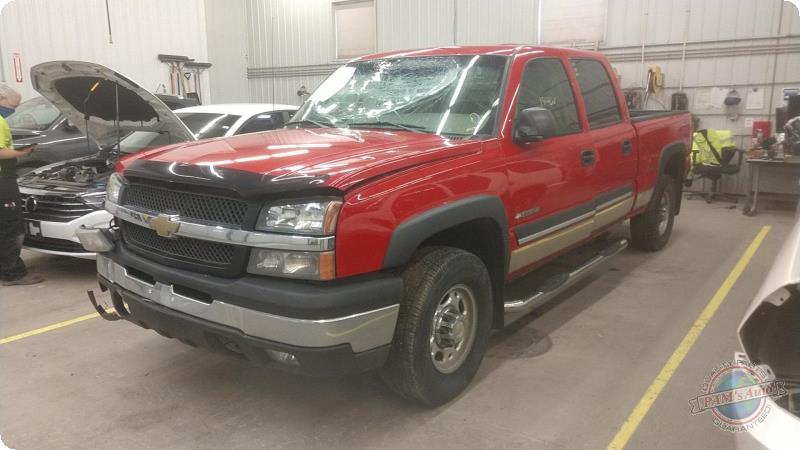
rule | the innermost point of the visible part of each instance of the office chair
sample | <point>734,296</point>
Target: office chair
<point>714,172</point>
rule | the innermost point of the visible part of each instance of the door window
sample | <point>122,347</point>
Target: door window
<point>598,93</point>
<point>545,85</point>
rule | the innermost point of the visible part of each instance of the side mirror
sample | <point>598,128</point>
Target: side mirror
<point>533,125</point>
<point>69,126</point>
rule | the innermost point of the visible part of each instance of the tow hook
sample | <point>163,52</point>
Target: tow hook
<point>100,310</point>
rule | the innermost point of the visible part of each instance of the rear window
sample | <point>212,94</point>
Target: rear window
<point>268,120</point>
<point>202,125</point>
<point>208,125</point>
<point>598,93</point>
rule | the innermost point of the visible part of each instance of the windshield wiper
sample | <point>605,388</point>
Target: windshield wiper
<point>384,123</point>
<point>316,123</point>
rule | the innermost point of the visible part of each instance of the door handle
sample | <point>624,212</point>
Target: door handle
<point>626,147</point>
<point>588,157</point>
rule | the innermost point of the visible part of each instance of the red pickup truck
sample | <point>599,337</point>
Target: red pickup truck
<point>389,224</point>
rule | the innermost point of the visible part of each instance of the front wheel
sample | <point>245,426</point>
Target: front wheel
<point>651,230</point>
<point>443,327</point>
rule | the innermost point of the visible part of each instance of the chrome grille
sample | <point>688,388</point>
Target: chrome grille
<point>189,250</point>
<point>188,205</point>
<point>54,208</point>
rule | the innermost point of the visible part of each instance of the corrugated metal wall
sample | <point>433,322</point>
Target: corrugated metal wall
<point>300,49</point>
<point>302,36</point>
<point>490,21</point>
<point>226,27</point>
<point>290,44</point>
<point>729,44</point>
<point>570,21</point>
<point>45,30</point>
<point>415,23</point>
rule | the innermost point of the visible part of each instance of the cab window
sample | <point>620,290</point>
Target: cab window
<point>545,85</point>
<point>598,93</point>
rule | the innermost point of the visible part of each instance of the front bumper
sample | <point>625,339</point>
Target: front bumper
<point>236,317</point>
<point>59,238</point>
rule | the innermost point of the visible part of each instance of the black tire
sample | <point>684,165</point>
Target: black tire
<point>647,232</point>
<point>433,274</point>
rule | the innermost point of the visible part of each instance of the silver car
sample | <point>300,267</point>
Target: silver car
<point>770,337</point>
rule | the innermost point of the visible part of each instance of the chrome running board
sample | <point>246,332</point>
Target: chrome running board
<point>550,288</point>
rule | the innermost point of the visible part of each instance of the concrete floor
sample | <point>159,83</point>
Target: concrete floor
<point>565,377</point>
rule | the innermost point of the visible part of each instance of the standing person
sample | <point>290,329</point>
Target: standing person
<point>12,231</point>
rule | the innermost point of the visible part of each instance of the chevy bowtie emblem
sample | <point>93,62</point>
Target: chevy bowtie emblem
<point>30,204</point>
<point>165,225</point>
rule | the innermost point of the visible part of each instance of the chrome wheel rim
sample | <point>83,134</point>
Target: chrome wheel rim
<point>662,213</point>
<point>453,330</point>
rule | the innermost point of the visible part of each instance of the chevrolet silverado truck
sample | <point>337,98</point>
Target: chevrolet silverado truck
<point>397,218</point>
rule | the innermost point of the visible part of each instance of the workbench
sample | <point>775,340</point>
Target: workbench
<point>790,165</point>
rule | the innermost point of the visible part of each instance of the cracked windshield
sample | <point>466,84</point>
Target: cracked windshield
<point>456,96</point>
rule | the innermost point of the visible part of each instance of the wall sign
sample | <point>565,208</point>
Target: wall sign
<point>17,68</point>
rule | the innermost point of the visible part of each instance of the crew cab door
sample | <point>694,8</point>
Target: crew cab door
<point>612,142</point>
<point>550,189</point>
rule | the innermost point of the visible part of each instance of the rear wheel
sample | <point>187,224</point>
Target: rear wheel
<point>651,230</point>
<point>443,328</point>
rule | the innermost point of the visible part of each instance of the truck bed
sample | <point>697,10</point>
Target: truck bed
<point>640,115</point>
<point>657,133</point>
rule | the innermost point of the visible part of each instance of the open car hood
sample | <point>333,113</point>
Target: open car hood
<point>770,331</point>
<point>87,93</point>
<point>785,271</point>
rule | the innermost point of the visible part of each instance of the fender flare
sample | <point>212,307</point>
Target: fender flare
<point>669,152</point>
<point>408,236</point>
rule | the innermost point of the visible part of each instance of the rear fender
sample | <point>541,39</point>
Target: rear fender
<point>671,152</point>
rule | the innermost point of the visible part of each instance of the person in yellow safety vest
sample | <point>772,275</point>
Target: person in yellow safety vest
<point>703,153</point>
<point>12,227</point>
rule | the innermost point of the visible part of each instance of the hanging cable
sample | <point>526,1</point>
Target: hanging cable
<point>108,20</point>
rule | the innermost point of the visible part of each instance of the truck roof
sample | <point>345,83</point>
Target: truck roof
<point>501,49</point>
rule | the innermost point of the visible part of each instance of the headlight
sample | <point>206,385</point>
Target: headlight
<point>114,187</point>
<point>304,265</point>
<point>309,217</point>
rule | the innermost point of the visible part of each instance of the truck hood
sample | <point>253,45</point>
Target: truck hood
<point>785,271</point>
<point>290,159</point>
<point>92,97</point>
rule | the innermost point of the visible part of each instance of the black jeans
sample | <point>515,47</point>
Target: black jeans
<point>12,234</point>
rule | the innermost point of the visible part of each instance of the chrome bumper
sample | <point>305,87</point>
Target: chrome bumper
<point>363,331</point>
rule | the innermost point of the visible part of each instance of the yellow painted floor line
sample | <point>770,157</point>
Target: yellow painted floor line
<point>52,327</point>
<point>640,411</point>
